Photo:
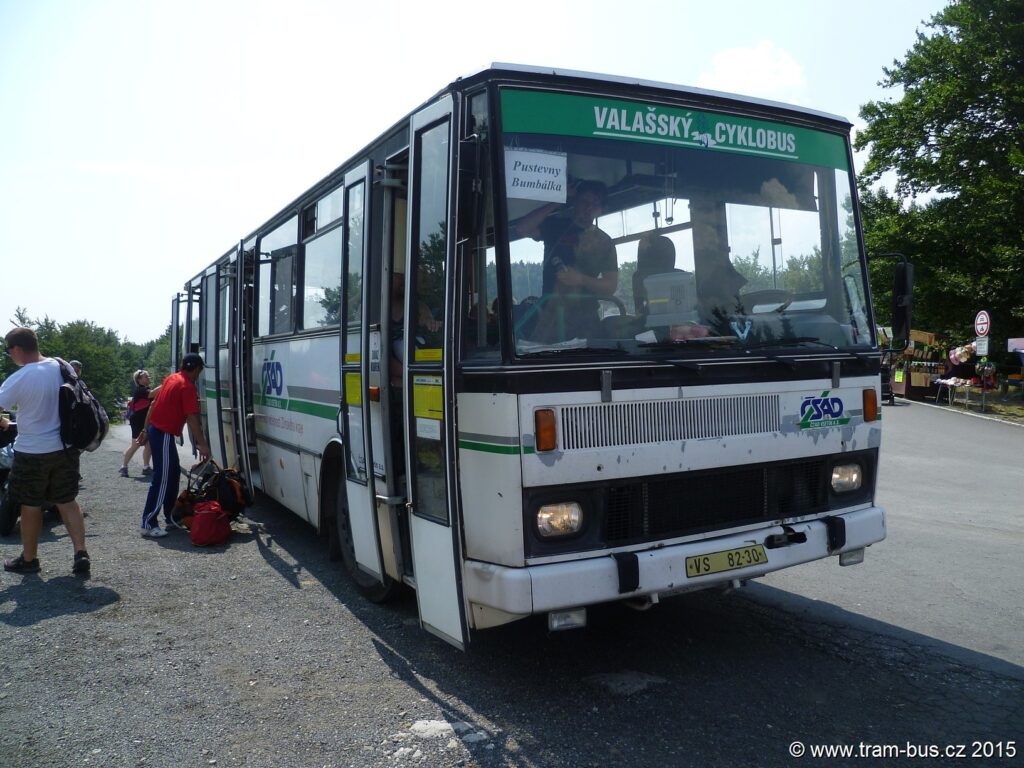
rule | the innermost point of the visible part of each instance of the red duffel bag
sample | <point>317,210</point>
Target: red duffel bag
<point>211,525</point>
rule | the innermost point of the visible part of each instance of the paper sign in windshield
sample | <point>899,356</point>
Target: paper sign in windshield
<point>536,175</point>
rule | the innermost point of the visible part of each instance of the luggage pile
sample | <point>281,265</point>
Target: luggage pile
<point>211,500</point>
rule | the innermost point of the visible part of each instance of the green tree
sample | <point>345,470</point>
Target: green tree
<point>103,368</point>
<point>100,351</point>
<point>757,275</point>
<point>955,136</point>
<point>158,356</point>
<point>331,304</point>
<point>803,274</point>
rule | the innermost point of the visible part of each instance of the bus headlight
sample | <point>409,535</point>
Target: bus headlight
<point>846,477</point>
<point>560,519</point>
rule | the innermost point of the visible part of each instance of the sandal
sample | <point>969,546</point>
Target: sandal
<point>21,565</point>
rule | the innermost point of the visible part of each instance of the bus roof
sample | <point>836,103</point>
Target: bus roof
<point>654,84</point>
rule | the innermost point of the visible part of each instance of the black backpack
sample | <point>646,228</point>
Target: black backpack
<point>83,422</point>
<point>225,486</point>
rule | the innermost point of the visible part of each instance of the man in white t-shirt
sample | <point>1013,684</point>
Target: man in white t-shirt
<point>44,470</point>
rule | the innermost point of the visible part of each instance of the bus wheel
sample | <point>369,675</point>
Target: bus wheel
<point>367,585</point>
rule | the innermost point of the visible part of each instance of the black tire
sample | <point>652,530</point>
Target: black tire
<point>9,511</point>
<point>368,586</point>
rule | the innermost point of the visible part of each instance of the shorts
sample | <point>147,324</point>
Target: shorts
<point>137,421</point>
<point>37,479</point>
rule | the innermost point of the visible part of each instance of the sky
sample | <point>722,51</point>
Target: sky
<point>140,140</point>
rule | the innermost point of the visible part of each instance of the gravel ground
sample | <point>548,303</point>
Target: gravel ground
<point>171,655</point>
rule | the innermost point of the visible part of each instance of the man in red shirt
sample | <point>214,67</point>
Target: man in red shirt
<point>176,404</point>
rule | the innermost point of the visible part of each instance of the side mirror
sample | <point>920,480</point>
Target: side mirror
<point>902,303</point>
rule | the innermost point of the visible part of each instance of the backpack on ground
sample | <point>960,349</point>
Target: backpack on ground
<point>211,525</point>
<point>224,486</point>
<point>185,504</point>
<point>184,508</point>
<point>83,422</point>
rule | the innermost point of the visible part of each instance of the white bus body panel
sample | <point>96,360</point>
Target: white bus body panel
<point>491,477</point>
<point>651,456</point>
<point>296,406</point>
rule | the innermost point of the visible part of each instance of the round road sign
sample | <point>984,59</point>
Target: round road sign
<point>982,323</point>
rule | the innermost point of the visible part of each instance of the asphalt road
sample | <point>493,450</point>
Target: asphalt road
<point>951,569</point>
<point>262,654</point>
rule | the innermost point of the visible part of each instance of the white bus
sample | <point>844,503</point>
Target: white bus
<point>640,359</point>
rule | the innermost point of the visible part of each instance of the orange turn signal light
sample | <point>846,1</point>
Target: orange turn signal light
<point>544,429</point>
<point>870,405</point>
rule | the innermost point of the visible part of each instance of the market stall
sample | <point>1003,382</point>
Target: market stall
<point>967,378</point>
<point>914,372</point>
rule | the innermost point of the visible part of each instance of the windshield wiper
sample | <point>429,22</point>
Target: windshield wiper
<point>701,341</point>
<point>797,340</point>
<point>559,352</point>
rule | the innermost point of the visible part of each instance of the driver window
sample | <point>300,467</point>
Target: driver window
<point>477,252</point>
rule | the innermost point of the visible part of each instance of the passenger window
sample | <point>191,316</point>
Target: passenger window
<point>277,279</point>
<point>321,290</point>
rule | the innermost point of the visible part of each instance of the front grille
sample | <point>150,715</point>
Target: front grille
<point>607,425</point>
<point>694,502</point>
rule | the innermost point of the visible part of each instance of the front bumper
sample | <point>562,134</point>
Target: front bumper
<point>570,584</point>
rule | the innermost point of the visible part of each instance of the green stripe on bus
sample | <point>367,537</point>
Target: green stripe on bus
<point>317,410</point>
<point>313,409</point>
<point>472,445</point>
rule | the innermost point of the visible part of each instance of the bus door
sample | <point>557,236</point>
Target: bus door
<point>225,311</point>
<point>360,354</point>
<point>193,343</point>
<point>212,386</point>
<point>393,215</point>
<point>433,515</point>
<point>176,331</point>
<point>239,348</point>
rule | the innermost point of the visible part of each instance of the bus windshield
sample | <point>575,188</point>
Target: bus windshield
<point>638,227</point>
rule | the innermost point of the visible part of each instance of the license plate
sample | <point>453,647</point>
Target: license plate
<point>726,560</point>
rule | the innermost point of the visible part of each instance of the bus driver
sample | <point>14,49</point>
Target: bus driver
<point>580,265</point>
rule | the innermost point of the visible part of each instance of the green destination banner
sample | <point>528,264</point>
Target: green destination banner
<point>589,116</point>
